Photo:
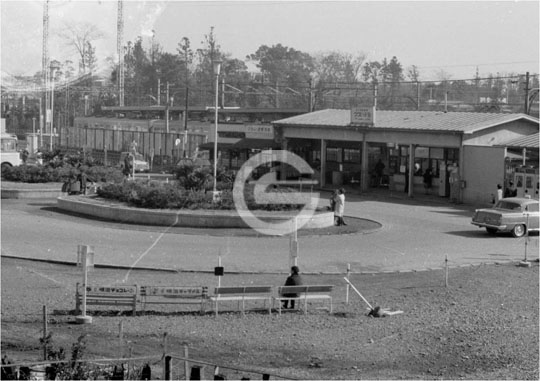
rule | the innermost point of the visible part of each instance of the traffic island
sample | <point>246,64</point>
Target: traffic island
<point>20,190</point>
<point>213,222</point>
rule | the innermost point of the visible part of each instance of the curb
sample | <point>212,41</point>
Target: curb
<point>31,193</point>
<point>162,269</point>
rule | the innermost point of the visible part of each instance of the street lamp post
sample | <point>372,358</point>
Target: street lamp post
<point>217,67</point>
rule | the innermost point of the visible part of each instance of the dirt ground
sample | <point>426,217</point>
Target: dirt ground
<point>484,325</point>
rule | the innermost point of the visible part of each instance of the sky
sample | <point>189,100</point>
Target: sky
<point>449,36</point>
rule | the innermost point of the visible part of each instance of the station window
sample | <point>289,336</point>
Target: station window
<point>333,154</point>
<point>351,155</point>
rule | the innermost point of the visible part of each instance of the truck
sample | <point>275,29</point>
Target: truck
<point>10,155</point>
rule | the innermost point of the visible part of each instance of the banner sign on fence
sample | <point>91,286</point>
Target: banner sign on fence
<point>172,292</point>
<point>124,290</point>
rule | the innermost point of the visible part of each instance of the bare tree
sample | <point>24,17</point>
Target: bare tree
<point>79,37</point>
<point>443,75</point>
<point>413,73</point>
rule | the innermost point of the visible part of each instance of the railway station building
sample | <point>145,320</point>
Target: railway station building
<point>467,153</point>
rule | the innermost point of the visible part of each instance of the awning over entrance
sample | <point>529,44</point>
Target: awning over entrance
<point>211,146</point>
<point>255,144</point>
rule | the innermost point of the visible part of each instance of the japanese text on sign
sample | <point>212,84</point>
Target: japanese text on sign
<point>259,131</point>
<point>363,115</point>
<point>172,291</point>
<point>126,290</point>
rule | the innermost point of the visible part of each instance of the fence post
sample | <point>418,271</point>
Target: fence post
<point>348,286</point>
<point>186,364</point>
<point>84,252</point>
<point>446,271</point>
<point>167,368</point>
<point>45,333</point>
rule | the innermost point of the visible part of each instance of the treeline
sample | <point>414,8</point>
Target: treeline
<point>285,78</point>
<point>290,78</point>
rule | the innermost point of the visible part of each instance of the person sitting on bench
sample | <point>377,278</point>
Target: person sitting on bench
<point>292,280</point>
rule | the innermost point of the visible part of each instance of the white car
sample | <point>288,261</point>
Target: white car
<point>512,214</point>
<point>139,163</point>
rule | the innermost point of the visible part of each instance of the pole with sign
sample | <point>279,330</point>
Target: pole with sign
<point>84,253</point>
<point>218,271</point>
<point>293,244</point>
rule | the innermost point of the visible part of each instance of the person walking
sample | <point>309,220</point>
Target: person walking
<point>294,279</point>
<point>340,207</point>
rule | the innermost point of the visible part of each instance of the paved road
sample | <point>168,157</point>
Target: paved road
<point>416,235</point>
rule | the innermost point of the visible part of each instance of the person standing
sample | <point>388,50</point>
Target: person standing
<point>24,156</point>
<point>499,193</point>
<point>428,177</point>
<point>406,187</point>
<point>511,190</point>
<point>379,172</point>
<point>294,279</point>
<point>333,200</point>
<point>128,165</point>
<point>340,207</point>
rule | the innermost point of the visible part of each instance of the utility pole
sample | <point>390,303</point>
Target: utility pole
<point>477,84</point>
<point>120,49</point>
<point>375,94</point>
<point>158,91</point>
<point>167,109</point>
<point>527,93</point>
<point>417,95</point>
<point>310,99</point>
<point>45,65</point>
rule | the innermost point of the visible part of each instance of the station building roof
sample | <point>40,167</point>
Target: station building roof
<point>529,141</point>
<point>465,122</point>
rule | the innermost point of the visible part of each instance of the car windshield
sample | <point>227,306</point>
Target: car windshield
<point>508,205</point>
<point>138,156</point>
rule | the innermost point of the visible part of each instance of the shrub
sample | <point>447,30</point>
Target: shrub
<point>45,173</point>
<point>100,173</point>
<point>158,195</point>
<point>201,178</point>
<point>32,174</point>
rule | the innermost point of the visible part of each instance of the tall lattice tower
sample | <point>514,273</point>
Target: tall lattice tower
<point>45,66</point>
<point>120,48</point>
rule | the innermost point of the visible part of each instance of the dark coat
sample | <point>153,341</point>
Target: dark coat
<point>293,280</point>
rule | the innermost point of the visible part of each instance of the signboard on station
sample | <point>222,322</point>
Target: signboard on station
<point>363,116</point>
<point>259,131</point>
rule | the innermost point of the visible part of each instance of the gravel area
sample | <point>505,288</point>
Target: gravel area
<point>484,325</point>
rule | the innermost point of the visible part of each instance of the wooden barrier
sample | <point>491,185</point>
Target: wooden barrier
<point>174,295</point>
<point>114,295</point>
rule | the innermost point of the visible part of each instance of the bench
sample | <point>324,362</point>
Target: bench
<point>241,294</point>
<point>305,293</point>
<point>174,295</point>
<point>114,295</point>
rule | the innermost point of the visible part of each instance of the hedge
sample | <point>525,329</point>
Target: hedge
<point>158,195</point>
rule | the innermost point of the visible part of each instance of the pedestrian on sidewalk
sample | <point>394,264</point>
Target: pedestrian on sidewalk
<point>499,193</point>
<point>340,207</point>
